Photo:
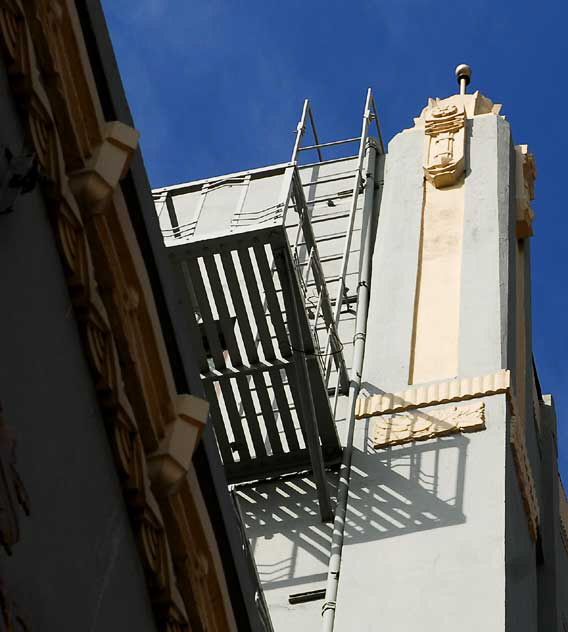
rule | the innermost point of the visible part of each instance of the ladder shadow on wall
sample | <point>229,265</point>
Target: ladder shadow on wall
<point>407,488</point>
<point>394,492</point>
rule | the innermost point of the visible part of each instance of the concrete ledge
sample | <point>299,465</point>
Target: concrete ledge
<point>432,394</point>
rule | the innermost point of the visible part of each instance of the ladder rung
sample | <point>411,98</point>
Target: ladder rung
<point>335,142</point>
<point>332,179</point>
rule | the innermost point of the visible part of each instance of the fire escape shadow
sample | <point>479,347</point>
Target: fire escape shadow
<point>408,488</point>
<point>394,492</point>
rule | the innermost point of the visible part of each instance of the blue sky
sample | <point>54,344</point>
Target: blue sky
<point>217,86</point>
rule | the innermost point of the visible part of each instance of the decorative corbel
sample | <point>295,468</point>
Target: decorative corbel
<point>94,185</point>
<point>170,463</point>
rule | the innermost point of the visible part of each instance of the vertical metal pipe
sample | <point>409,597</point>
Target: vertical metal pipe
<point>369,215</point>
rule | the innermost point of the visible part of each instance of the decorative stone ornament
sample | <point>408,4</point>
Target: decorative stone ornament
<point>170,463</point>
<point>419,425</point>
<point>95,183</point>
<point>445,144</point>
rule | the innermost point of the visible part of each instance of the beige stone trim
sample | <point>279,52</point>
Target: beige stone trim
<point>434,353</point>
<point>414,425</point>
<point>418,425</point>
<point>209,541</point>
<point>475,104</point>
<point>171,462</point>
<point>94,184</point>
<point>432,394</point>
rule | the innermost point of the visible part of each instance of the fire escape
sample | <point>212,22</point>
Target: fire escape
<point>253,284</point>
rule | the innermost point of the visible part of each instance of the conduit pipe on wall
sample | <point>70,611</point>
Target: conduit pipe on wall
<point>370,214</point>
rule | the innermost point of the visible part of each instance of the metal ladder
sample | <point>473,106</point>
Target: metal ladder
<point>358,175</point>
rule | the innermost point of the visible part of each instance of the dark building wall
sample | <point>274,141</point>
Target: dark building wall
<point>240,575</point>
<point>561,578</point>
<point>557,586</point>
<point>76,566</point>
<point>548,575</point>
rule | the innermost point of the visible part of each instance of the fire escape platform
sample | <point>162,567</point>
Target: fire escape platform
<point>260,366</point>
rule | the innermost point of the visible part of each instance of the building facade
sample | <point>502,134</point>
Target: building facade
<point>297,396</point>
<point>366,349</point>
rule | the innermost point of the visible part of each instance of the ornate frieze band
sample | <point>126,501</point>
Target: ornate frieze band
<point>418,396</point>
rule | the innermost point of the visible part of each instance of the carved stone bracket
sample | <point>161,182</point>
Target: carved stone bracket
<point>170,463</point>
<point>95,183</point>
<point>418,425</point>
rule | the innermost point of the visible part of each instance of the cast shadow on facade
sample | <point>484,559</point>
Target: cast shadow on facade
<point>393,492</point>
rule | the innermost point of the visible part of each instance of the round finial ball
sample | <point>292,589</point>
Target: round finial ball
<point>463,71</point>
